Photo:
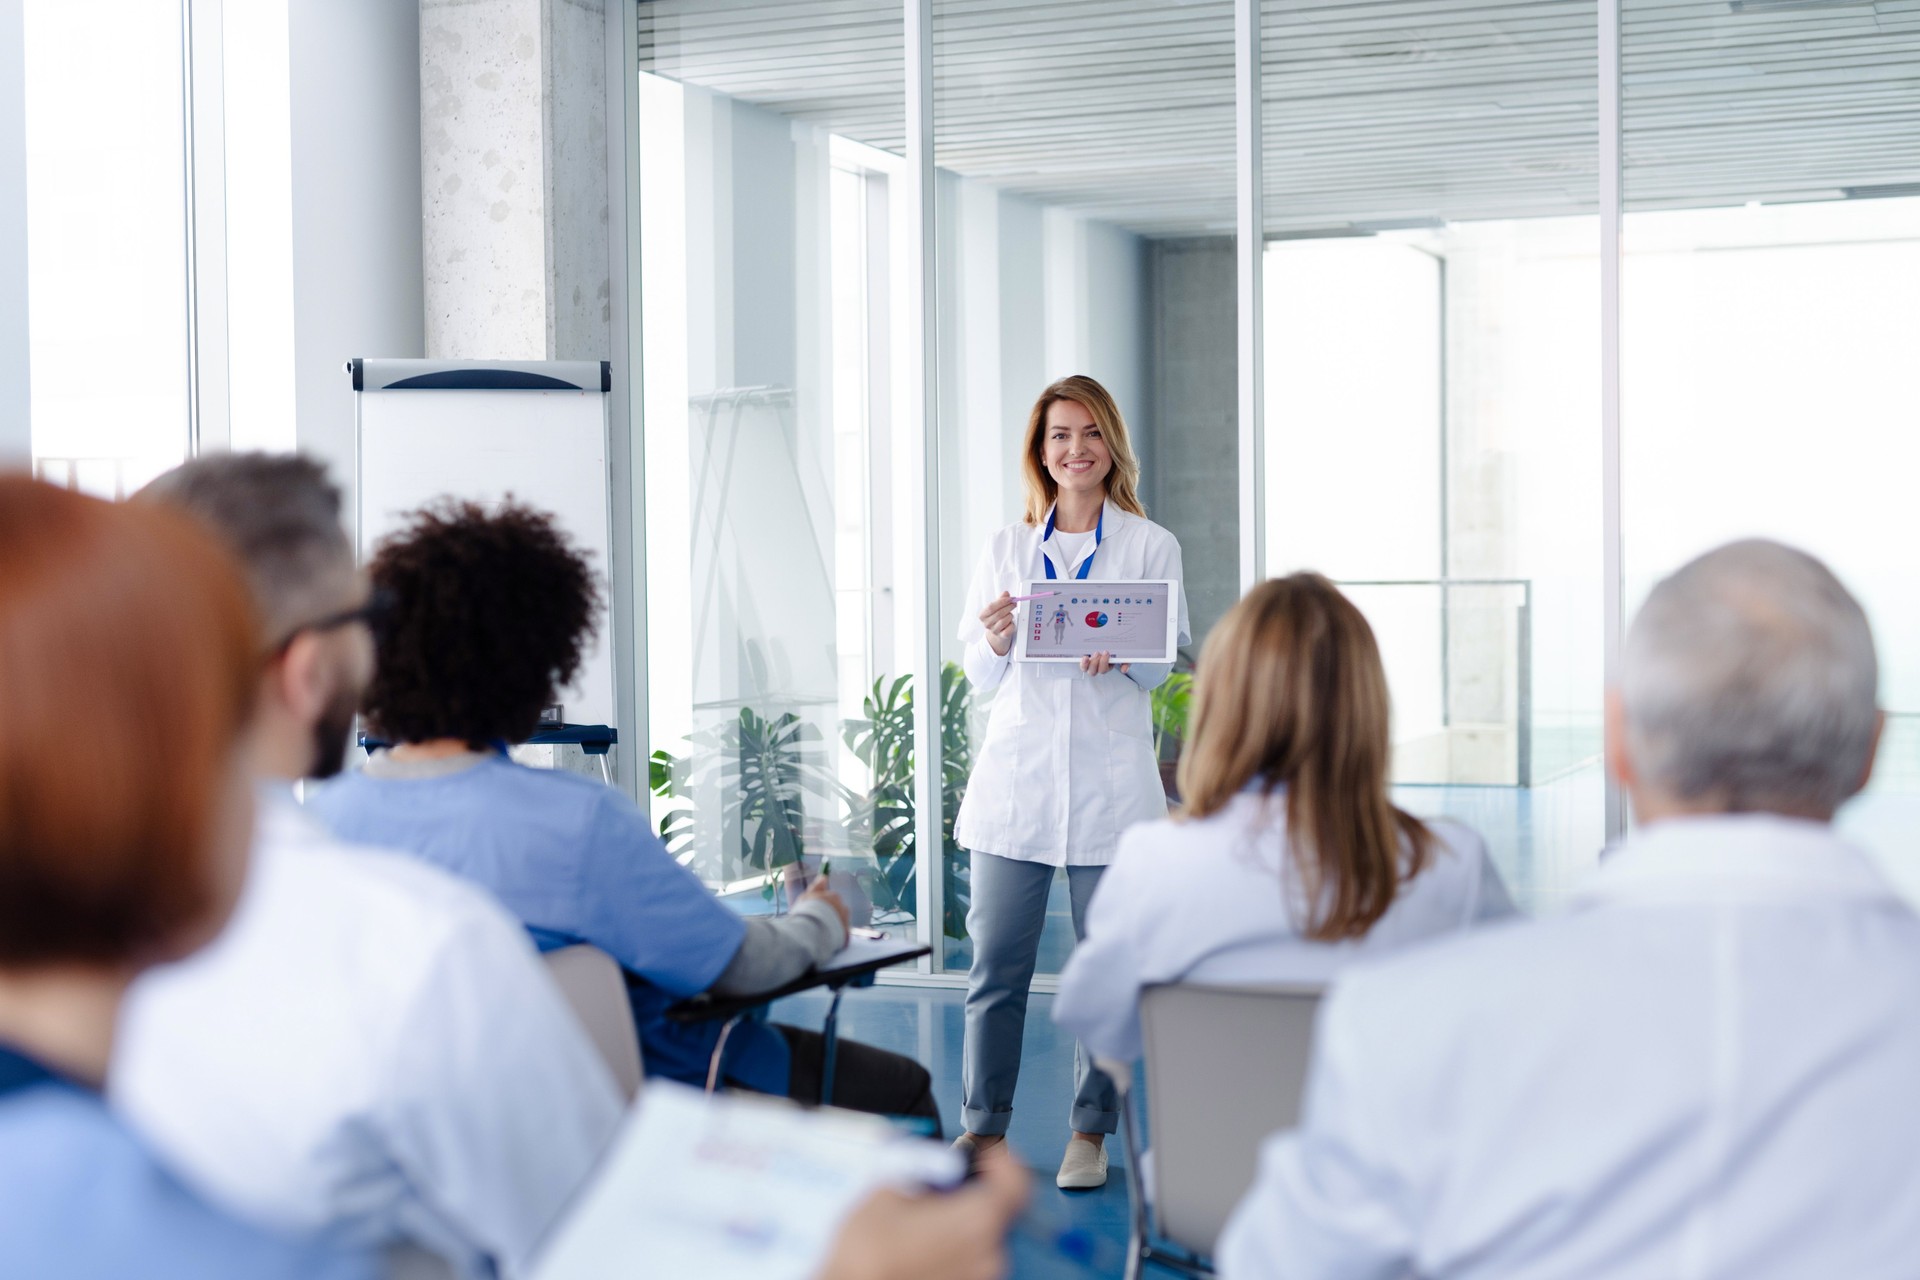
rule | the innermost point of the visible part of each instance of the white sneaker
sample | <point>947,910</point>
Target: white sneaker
<point>1084,1166</point>
<point>972,1144</point>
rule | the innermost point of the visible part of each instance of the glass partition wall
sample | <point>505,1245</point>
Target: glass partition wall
<point>1432,286</point>
<point>1771,258</point>
<point>769,240</point>
<point>1443,383</point>
<point>1075,144</point>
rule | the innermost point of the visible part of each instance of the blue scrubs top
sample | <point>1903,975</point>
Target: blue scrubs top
<point>81,1200</point>
<point>576,861</point>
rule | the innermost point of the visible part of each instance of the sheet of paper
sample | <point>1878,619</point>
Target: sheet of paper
<point>860,951</point>
<point>731,1188</point>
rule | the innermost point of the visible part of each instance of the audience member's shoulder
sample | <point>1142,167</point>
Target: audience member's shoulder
<point>561,800</point>
<point>1456,843</point>
<point>1485,966</point>
<point>1457,859</point>
<point>1008,538</point>
<point>1148,529</point>
<point>385,884</point>
<point>557,786</point>
<point>1181,854</point>
<point>65,1161</point>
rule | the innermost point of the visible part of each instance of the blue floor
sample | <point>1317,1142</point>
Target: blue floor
<point>926,1024</point>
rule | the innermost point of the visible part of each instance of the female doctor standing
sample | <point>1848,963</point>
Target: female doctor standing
<point>1068,762</point>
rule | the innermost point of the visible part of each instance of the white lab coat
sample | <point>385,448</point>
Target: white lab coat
<point>1217,899</point>
<point>372,1049</point>
<point>1707,1068</point>
<point>1067,760</point>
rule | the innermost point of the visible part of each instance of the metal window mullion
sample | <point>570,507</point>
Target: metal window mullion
<point>625,438</point>
<point>923,522</point>
<point>203,124</point>
<point>1251,227</point>
<point>1613,558</point>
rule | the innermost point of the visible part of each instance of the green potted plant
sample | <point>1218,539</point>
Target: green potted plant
<point>762,768</point>
<point>1172,705</point>
<point>885,819</point>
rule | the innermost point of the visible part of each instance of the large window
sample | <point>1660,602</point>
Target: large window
<point>106,241</point>
<point>160,275</point>
<point>1442,391</point>
<point>1433,428</point>
<point>1772,255</point>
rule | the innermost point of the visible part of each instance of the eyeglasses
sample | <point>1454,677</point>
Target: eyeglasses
<point>378,605</point>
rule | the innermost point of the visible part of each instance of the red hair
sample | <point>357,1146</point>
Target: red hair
<point>128,659</point>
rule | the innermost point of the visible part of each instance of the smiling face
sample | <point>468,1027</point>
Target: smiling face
<point>1072,449</point>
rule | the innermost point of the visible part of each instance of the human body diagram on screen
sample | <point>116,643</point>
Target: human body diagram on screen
<point>1102,620</point>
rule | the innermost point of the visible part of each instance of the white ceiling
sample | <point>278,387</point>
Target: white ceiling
<point>1377,112</point>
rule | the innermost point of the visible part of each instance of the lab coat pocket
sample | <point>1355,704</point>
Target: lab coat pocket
<point>1127,709</point>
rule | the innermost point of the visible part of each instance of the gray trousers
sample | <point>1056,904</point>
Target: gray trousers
<point>1009,910</point>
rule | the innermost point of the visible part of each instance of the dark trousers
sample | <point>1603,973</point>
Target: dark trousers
<point>864,1078</point>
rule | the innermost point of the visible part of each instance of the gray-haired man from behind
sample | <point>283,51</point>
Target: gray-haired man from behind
<point>373,1048</point>
<point>1703,1069</point>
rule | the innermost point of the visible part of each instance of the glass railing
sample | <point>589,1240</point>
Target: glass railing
<point>1459,660</point>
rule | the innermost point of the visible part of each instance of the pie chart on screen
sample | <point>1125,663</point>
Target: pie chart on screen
<point>1096,619</point>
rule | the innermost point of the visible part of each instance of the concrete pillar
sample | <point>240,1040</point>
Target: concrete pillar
<point>513,191</point>
<point>16,439</point>
<point>513,179</point>
<point>1194,483</point>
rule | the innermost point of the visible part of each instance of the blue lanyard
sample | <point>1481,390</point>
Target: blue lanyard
<point>1086,566</point>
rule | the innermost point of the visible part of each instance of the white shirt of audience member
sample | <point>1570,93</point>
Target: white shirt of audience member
<point>374,1049</point>
<point>1707,1068</point>
<point>1216,899</point>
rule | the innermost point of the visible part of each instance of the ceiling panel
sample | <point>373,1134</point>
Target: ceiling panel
<point>1376,113</point>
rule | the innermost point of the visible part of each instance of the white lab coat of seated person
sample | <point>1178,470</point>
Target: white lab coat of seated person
<point>1219,900</point>
<point>1706,1069</point>
<point>372,1049</point>
<point>1020,803</point>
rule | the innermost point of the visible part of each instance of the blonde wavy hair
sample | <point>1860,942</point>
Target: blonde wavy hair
<point>1123,482</point>
<point>1290,691</point>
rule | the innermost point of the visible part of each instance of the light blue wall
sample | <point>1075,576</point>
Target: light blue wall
<point>357,280</point>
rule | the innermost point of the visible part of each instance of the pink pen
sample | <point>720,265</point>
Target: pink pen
<point>1038,595</point>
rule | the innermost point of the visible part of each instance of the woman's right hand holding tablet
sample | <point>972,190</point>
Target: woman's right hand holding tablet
<point>997,618</point>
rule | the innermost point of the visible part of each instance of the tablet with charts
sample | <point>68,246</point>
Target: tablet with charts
<point>1066,621</point>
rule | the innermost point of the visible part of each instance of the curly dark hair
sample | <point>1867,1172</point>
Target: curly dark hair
<point>486,615</point>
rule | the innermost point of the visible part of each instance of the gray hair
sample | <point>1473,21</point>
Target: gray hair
<point>280,516</point>
<point>1749,678</point>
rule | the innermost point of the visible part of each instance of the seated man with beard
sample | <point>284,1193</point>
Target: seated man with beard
<point>373,1048</point>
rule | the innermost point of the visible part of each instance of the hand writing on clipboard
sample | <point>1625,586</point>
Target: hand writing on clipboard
<point>818,890</point>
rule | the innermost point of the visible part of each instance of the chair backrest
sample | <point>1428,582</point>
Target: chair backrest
<point>1225,1068</point>
<point>593,984</point>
